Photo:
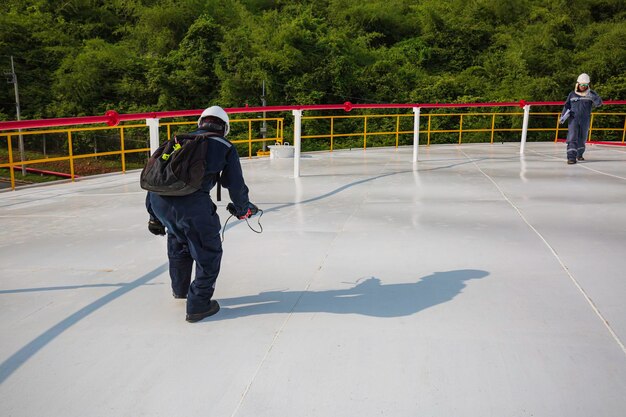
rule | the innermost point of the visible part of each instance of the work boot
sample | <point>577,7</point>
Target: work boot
<point>179,296</point>
<point>580,158</point>
<point>571,161</point>
<point>214,307</point>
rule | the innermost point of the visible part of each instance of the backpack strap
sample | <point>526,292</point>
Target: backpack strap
<point>219,187</point>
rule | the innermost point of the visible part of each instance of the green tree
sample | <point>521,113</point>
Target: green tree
<point>98,77</point>
<point>186,78</point>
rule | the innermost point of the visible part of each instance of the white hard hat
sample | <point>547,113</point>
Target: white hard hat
<point>583,79</point>
<point>216,111</point>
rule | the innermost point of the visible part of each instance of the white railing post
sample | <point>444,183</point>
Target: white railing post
<point>524,128</point>
<point>297,139</point>
<point>416,132</point>
<point>153,127</point>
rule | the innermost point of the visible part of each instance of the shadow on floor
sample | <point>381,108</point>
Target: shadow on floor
<point>370,297</point>
<point>20,357</point>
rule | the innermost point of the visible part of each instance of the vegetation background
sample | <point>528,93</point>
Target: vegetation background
<point>83,57</point>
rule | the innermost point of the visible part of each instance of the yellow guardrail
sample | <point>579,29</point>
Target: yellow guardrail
<point>335,130</point>
<point>242,133</point>
<point>489,121</point>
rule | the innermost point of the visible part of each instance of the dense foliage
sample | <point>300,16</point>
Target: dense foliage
<point>82,57</point>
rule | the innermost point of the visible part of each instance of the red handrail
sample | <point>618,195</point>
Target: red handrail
<point>112,118</point>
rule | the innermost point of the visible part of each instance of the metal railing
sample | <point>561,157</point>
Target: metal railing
<point>488,124</point>
<point>338,131</point>
<point>66,152</point>
<point>120,144</point>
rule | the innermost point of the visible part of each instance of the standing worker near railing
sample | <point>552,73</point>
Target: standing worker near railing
<point>193,226</point>
<point>578,110</point>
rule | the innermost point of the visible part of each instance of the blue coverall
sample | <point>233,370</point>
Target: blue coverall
<point>580,107</point>
<point>193,226</point>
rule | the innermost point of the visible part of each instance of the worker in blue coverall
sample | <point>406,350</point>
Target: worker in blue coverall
<point>193,226</point>
<point>577,110</point>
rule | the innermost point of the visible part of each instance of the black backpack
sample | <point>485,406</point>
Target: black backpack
<point>178,166</point>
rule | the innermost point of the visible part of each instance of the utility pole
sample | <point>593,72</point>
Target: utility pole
<point>264,128</point>
<point>17,108</point>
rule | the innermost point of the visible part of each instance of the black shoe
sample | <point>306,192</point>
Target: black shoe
<point>179,296</point>
<point>571,161</point>
<point>580,158</point>
<point>214,307</point>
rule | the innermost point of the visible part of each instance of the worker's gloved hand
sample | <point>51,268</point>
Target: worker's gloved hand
<point>156,227</point>
<point>248,210</point>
